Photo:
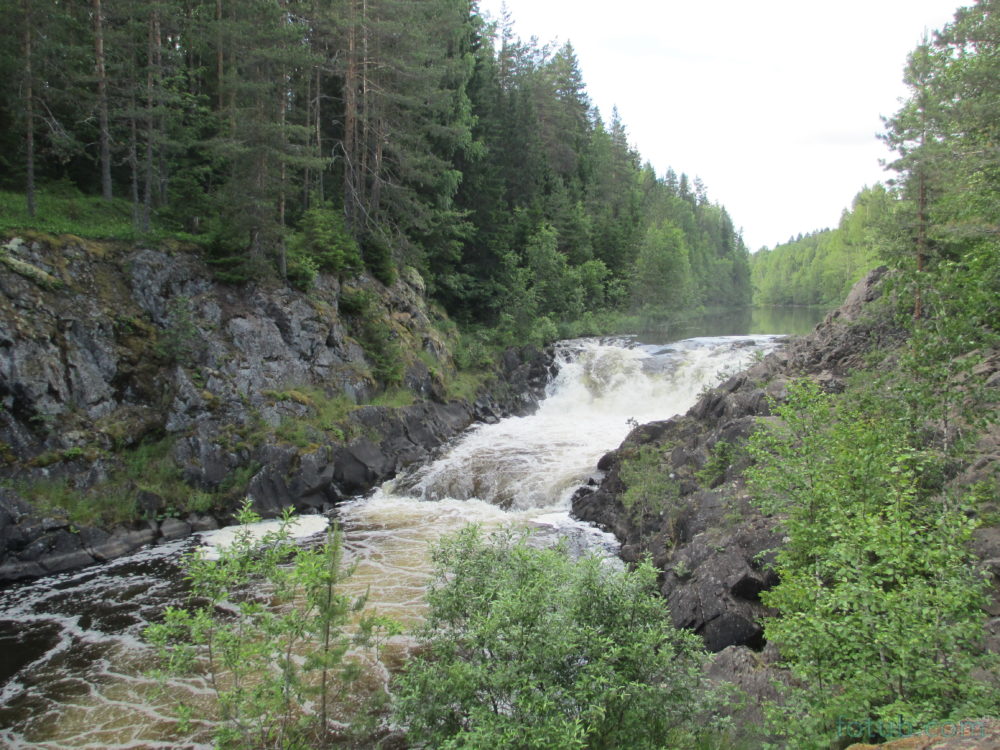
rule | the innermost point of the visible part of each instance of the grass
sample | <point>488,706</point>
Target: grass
<point>395,398</point>
<point>465,385</point>
<point>150,467</point>
<point>328,417</point>
<point>61,209</point>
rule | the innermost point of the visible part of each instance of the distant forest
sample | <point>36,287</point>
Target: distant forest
<point>292,137</point>
<point>820,268</point>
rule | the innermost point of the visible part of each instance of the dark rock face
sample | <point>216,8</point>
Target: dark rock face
<point>716,550</point>
<point>135,343</point>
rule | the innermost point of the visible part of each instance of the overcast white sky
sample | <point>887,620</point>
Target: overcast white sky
<point>775,104</point>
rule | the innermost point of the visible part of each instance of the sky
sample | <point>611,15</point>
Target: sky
<point>775,104</point>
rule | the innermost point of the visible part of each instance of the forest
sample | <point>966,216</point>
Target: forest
<point>287,138</point>
<point>820,267</point>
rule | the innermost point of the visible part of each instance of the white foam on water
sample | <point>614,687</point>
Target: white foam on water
<point>300,527</point>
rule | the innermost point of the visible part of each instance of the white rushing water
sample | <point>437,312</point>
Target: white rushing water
<point>71,643</point>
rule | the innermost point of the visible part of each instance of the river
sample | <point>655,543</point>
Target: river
<point>72,661</point>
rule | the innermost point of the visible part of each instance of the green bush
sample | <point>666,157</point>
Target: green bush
<point>374,332</point>
<point>880,604</point>
<point>377,254</point>
<point>650,493</point>
<point>528,648</point>
<point>714,470</point>
<point>266,622</point>
<point>302,269</point>
<point>323,240</point>
<point>356,302</point>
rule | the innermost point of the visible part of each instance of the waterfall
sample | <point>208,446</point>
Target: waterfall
<point>73,666</point>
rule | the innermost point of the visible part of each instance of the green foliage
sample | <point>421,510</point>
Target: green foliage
<point>821,268</point>
<point>474,350</point>
<point>181,342</point>
<point>527,648</point>
<point>382,350</point>
<point>465,152</point>
<point>663,269</point>
<point>395,398</point>
<point>714,470</point>
<point>326,417</point>
<point>377,254</point>
<point>879,601</point>
<point>64,209</point>
<point>650,492</point>
<point>555,286</point>
<point>147,467</point>
<point>267,623</point>
<point>370,324</point>
<point>356,302</point>
<point>226,253</point>
<point>302,269</point>
<point>322,243</point>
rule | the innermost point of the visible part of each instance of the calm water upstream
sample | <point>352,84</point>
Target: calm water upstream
<point>72,663</point>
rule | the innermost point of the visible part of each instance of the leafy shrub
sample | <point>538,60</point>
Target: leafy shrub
<point>323,243</point>
<point>377,254</point>
<point>714,470</point>
<point>375,334</point>
<point>356,302</point>
<point>527,648</point>
<point>302,270</point>
<point>181,342</point>
<point>880,605</point>
<point>650,492</point>
<point>265,621</point>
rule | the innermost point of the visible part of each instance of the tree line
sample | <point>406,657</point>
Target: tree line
<point>821,267</point>
<point>289,137</point>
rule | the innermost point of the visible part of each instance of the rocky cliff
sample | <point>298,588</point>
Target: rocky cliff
<point>141,400</point>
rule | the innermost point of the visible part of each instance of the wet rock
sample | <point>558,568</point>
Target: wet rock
<point>174,528</point>
<point>123,541</point>
<point>91,537</point>
<point>731,629</point>
<point>149,504</point>
<point>18,570</point>
<point>201,522</point>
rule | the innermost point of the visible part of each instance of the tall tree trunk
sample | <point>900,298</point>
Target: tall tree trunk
<point>102,101</point>
<point>133,161</point>
<point>366,114</point>
<point>219,57</point>
<point>351,145</point>
<point>152,75</point>
<point>283,176</point>
<point>319,133</point>
<point>162,166</point>
<point>307,172</point>
<point>921,241</point>
<point>29,111</point>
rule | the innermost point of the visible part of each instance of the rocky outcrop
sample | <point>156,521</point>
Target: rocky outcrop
<point>714,547</point>
<point>105,347</point>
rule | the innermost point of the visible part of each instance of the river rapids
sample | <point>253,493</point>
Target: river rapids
<point>73,666</point>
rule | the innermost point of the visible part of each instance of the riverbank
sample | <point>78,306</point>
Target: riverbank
<point>142,401</point>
